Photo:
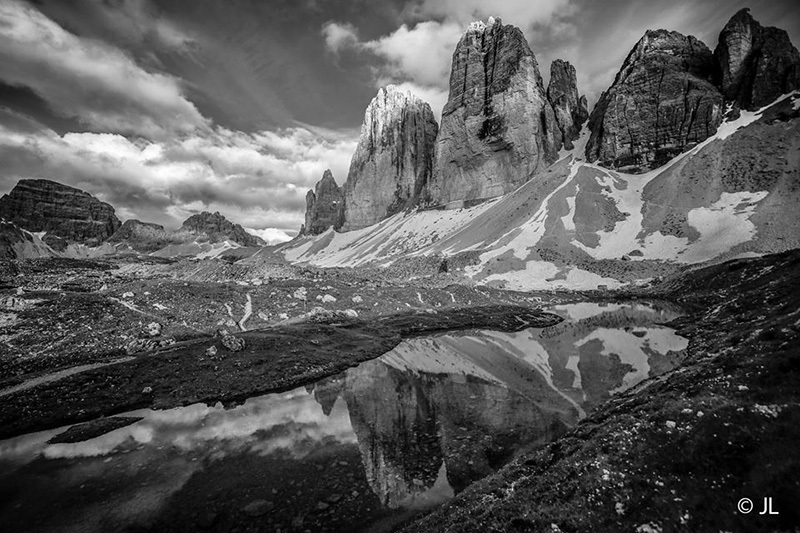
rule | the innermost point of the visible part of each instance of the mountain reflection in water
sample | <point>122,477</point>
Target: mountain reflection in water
<point>360,450</point>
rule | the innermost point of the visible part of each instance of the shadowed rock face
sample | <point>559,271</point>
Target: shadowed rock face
<point>393,160</point>
<point>755,65</point>
<point>67,214</point>
<point>498,128</point>
<point>324,206</point>
<point>217,228</point>
<point>570,109</point>
<point>661,101</point>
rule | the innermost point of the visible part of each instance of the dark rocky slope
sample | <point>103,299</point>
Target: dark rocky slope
<point>142,236</point>
<point>216,228</point>
<point>662,100</point>
<point>67,214</point>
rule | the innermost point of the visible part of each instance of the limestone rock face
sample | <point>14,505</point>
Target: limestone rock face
<point>67,214</point>
<point>142,236</point>
<point>498,128</point>
<point>217,228</point>
<point>324,206</point>
<point>570,109</point>
<point>393,160</point>
<point>755,65</point>
<point>661,101</point>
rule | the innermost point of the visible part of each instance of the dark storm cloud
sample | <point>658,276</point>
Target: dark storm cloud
<point>98,84</point>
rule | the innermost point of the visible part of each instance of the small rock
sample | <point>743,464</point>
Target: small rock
<point>300,293</point>
<point>233,343</point>
<point>153,329</point>
<point>147,390</point>
<point>211,351</point>
<point>357,299</point>
<point>283,316</point>
<point>258,508</point>
<point>127,295</point>
<point>671,424</point>
<point>322,506</point>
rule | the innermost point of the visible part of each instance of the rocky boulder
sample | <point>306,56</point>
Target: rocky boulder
<point>324,206</point>
<point>393,160</point>
<point>498,128</point>
<point>67,214</point>
<point>755,65</point>
<point>562,92</point>
<point>662,101</point>
<point>216,228</point>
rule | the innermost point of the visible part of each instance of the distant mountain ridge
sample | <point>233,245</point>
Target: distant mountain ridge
<point>43,217</point>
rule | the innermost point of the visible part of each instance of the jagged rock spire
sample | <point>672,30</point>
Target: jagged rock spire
<point>324,206</point>
<point>498,128</point>
<point>393,160</point>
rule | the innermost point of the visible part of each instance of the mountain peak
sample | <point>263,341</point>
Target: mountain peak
<point>217,228</point>
<point>498,128</point>
<point>393,160</point>
<point>755,64</point>
<point>324,206</point>
<point>639,122</point>
<point>67,214</point>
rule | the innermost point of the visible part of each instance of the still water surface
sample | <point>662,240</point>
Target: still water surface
<point>364,450</point>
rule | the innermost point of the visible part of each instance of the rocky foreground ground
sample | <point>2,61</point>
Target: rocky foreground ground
<point>675,453</point>
<point>85,339</point>
<point>678,452</point>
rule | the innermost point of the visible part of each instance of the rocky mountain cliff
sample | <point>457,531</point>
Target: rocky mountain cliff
<point>662,100</point>
<point>498,127</point>
<point>215,228</point>
<point>393,160</point>
<point>755,65</point>
<point>67,214</point>
<point>324,206</point>
<point>562,92</point>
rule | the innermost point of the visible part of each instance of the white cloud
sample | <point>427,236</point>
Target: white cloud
<point>90,80</point>
<point>271,235</point>
<point>415,58</point>
<point>421,54</point>
<point>339,36</point>
<point>258,180</point>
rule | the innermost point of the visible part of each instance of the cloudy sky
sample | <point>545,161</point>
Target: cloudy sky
<point>165,108</point>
